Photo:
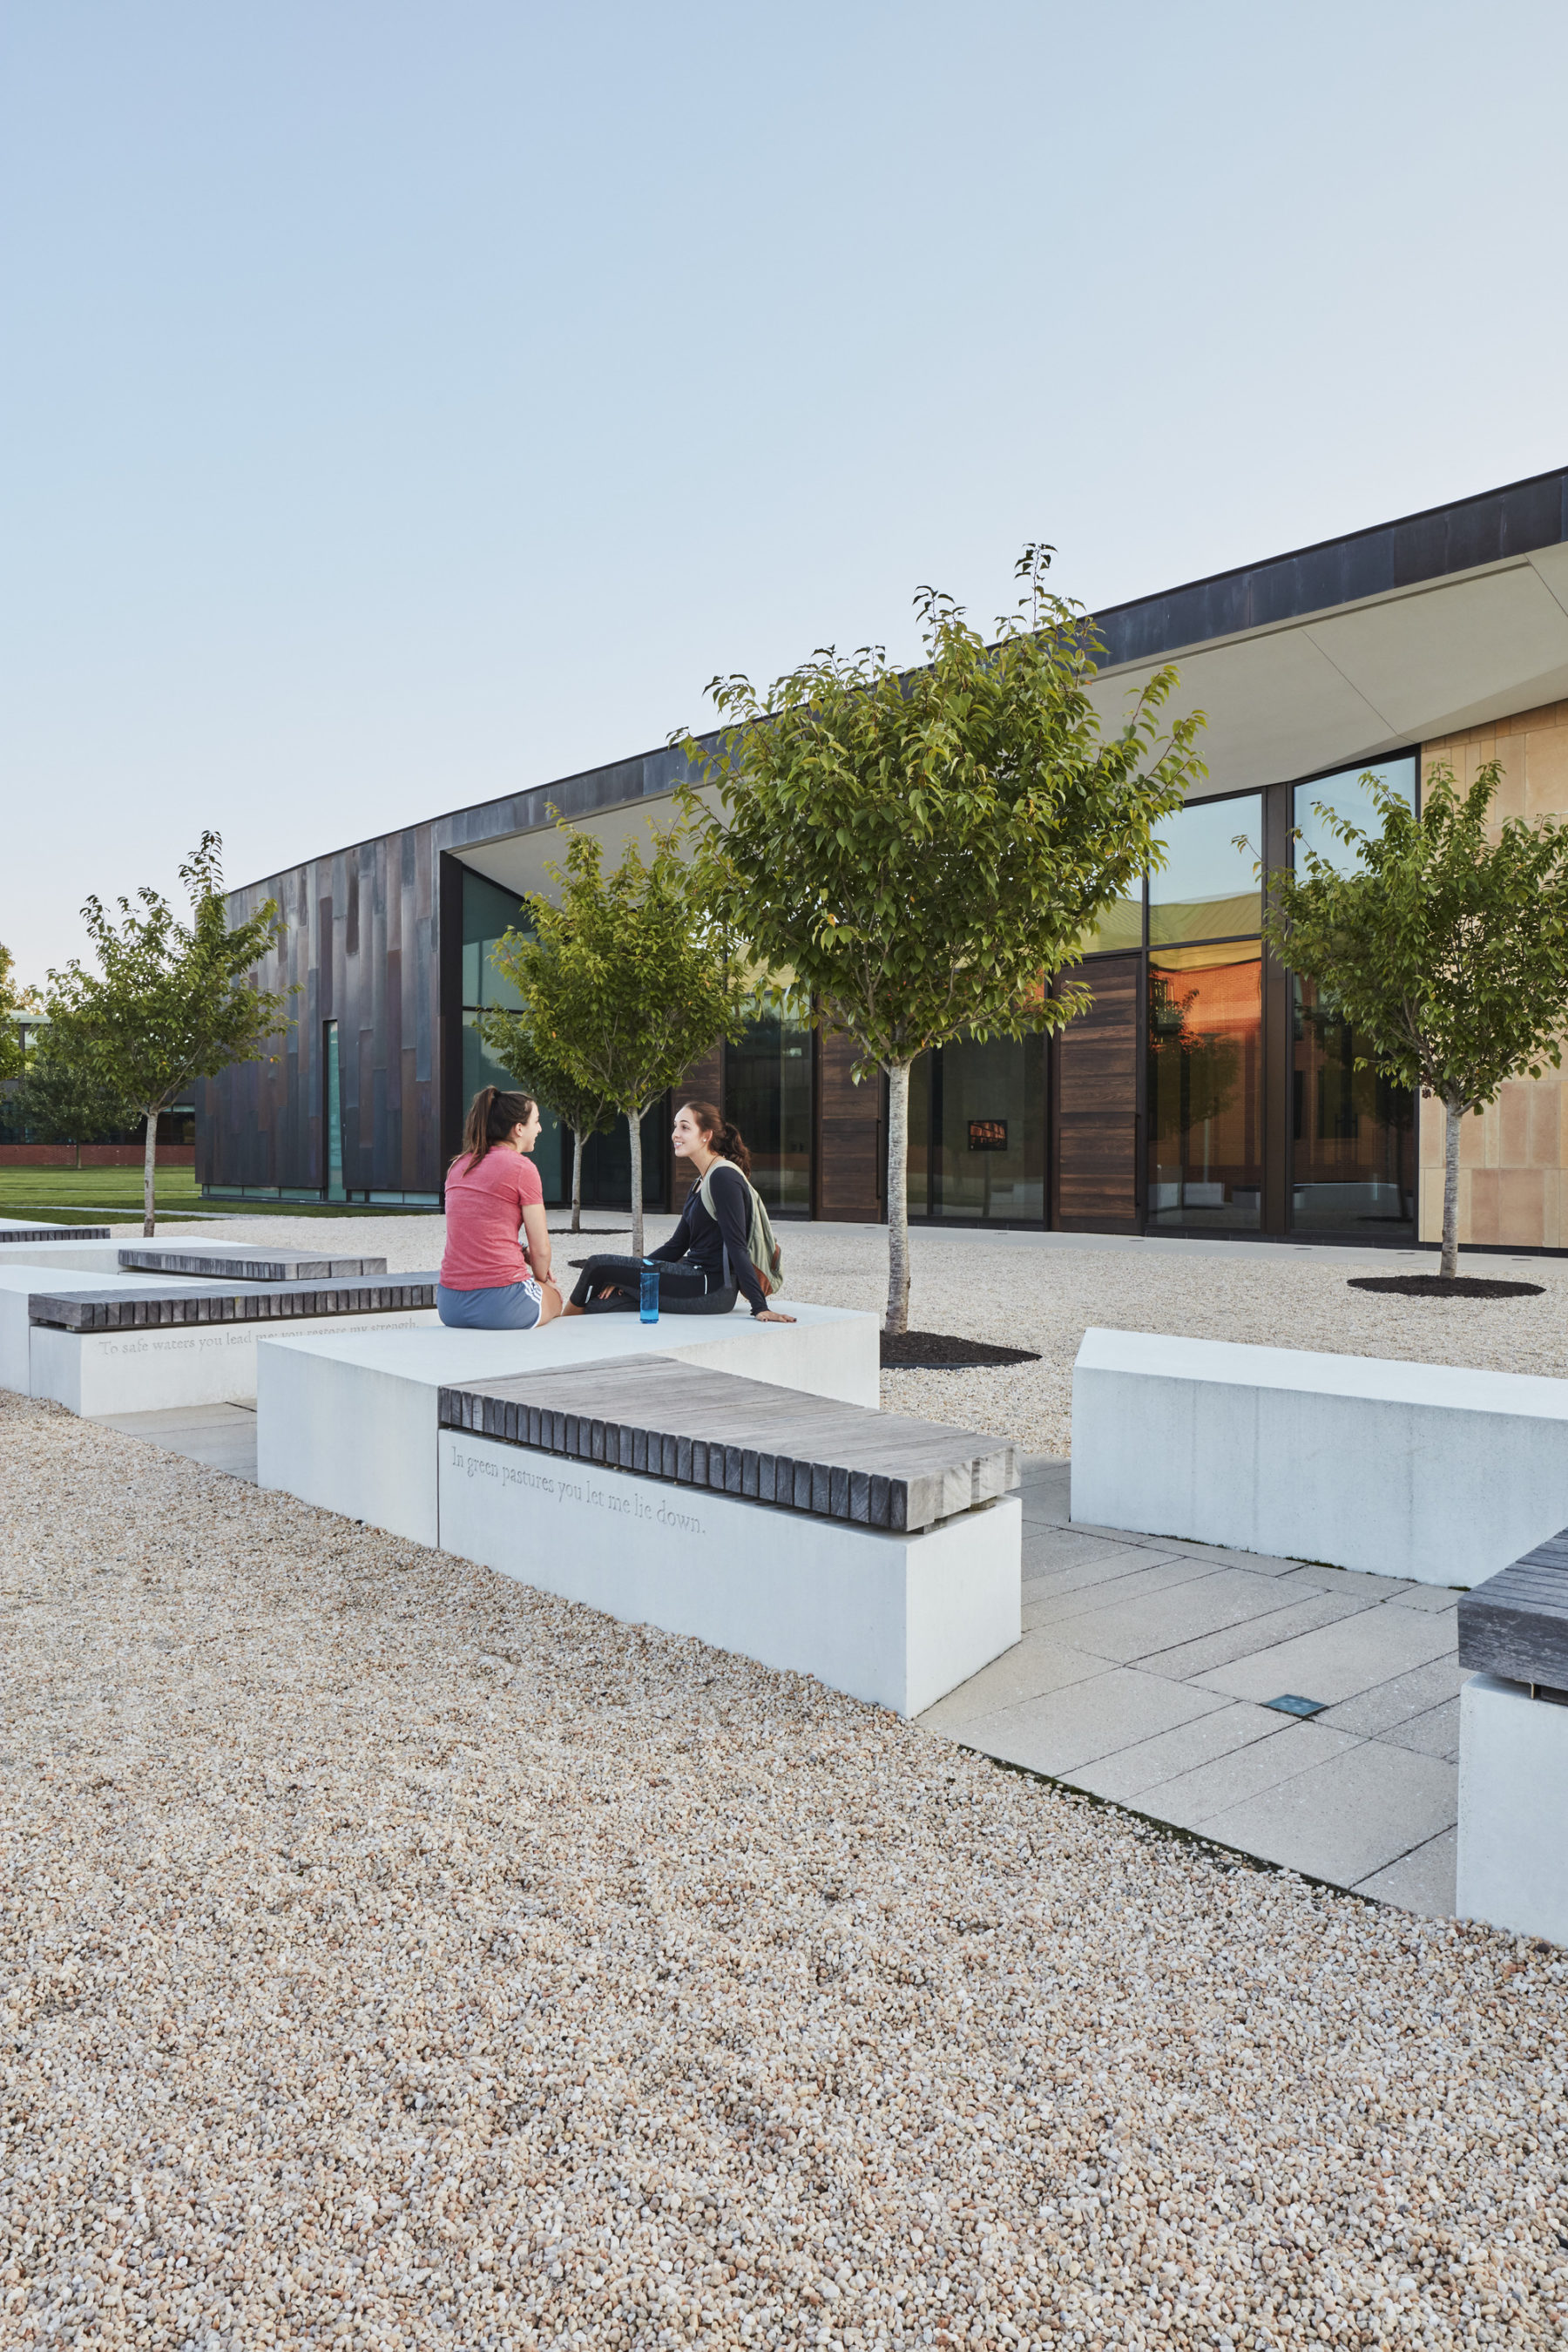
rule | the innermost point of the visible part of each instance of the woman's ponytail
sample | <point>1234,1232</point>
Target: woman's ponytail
<point>491,1118</point>
<point>726,1140</point>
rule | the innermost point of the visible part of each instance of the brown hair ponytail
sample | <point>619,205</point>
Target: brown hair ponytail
<point>491,1118</point>
<point>726,1140</point>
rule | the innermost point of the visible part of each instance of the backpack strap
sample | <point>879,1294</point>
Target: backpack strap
<point>705,1194</point>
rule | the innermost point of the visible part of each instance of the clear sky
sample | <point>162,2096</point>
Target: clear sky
<point>402,405</point>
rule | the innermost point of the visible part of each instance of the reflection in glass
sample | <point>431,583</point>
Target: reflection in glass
<point>1348,797</point>
<point>1120,926</point>
<point>1205,1037</point>
<point>553,1152</point>
<point>989,1129</point>
<point>488,912</point>
<point>768,1094</point>
<point>1208,888</point>
<point>335,1117</point>
<point>1354,1133</point>
<point>607,1163</point>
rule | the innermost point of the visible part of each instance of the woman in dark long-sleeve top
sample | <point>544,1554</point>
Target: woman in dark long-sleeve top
<point>706,1264</point>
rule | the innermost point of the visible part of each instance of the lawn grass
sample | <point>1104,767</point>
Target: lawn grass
<point>99,1196</point>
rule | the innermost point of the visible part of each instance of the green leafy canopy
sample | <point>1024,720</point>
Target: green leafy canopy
<point>1447,949</point>
<point>624,980</point>
<point>924,849</point>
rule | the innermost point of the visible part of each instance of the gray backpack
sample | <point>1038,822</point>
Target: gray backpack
<point>767,1258</point>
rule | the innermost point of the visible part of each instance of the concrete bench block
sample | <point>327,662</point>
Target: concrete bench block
<point>350,1424</point>
<point>1426,1471</point>
<point>158,1365</point>
<point>1513,1809</point>
<point>17,1286</point>
<point>897,1620</point>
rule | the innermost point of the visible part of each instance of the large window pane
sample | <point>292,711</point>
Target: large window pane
<point>553,1152</point>
<point>1348,797</point>
<point>1120,926</point>
<point>1207,889</point>
<point>1205,1035</point>
<point>1354,1134</point>
<point>488,912</point>
<point>607,1163</point>
<point>767,1095</point>
<point>990,1130</point>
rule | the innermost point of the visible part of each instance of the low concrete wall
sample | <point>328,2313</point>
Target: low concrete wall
<point>149,1372</point>
<point>350,1424</point>
<point>894,1618</point>
<point>1426,1471</point>
<point>1513,1809</point>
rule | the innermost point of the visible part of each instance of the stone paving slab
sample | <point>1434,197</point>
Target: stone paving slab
<point>1337,1660</point>
<point>1139,1775</point>
<point>1422,1880</point>
<point>1374,1711</point>
<point>1194,1799</point>
<point>1211,1651</point>
<point>1435,1733</point>
<point>1346,1819</point>
<point>1364,1793</point>
<point>1068,1728</point>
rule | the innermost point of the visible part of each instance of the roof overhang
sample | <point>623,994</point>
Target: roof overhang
<point>1355,681</point>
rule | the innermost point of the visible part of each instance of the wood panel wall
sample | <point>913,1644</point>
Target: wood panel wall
<point>360,948</point>
<point>703,1082</point>
<point>1095,1104</point>
<point>851,1139</point>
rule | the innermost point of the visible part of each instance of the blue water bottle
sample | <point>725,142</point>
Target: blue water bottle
<point>650,1294</point>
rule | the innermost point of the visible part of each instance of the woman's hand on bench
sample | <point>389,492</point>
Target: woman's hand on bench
<point>772,1315</point>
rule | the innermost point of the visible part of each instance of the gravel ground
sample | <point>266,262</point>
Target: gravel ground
<point>1023,1294</point>
<point>399,1957</point>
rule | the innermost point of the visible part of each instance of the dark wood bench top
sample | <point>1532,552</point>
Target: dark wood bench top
<point>278,1302</point>
<point>1516,1623</point>
<point>737,1436</point>
<point>15,1231</point>
<point>259,1263</point>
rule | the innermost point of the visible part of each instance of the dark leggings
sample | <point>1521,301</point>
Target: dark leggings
<point>613,1285</point>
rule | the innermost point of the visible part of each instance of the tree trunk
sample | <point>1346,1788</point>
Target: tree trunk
<point>898,1197</point>
<point>634,1125</point>
<point>576,1179</point>
<point>149,1175</point>
<point>1449,1264</point>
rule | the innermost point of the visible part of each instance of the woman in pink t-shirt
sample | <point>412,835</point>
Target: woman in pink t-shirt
<point>487,1284</point>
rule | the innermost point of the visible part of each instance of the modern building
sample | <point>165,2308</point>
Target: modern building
<point>1203,1093</point>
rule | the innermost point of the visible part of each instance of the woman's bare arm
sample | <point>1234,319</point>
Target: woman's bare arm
<point>538,1232</point>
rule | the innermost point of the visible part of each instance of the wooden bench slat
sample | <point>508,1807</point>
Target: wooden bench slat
<point>87,1310</point>
<point>670,1419</point>
<point>1516,1623</point>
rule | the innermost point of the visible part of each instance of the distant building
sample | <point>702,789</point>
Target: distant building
<point>1204,1094</point>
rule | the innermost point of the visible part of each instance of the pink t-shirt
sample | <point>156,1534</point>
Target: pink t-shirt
<point>484,1210</point>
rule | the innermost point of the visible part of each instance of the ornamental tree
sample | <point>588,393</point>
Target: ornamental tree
<point>15,1001</point>
<point>926,849</point>
<point>171,1001</point>
<point>1445,948</point>
<point>626,976</point>
<point>522,1041</point>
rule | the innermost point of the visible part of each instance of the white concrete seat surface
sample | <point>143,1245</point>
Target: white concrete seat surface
<point>1431,1472</point>
<point>348,1421</point>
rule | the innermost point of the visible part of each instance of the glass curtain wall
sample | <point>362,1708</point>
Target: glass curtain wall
<point>978,1132</point>
<point>768,1096</point>
<point>1204,1061</point>
<point>488,912</point>
<point>1353,1134</point>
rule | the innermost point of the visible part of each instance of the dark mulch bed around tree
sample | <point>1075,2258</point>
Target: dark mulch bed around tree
<point>1432,1285</point>
<point>938,1351</point>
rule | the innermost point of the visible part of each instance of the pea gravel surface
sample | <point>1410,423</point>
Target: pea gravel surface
<point>1043,1292</point>
<point>397,1956</point>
